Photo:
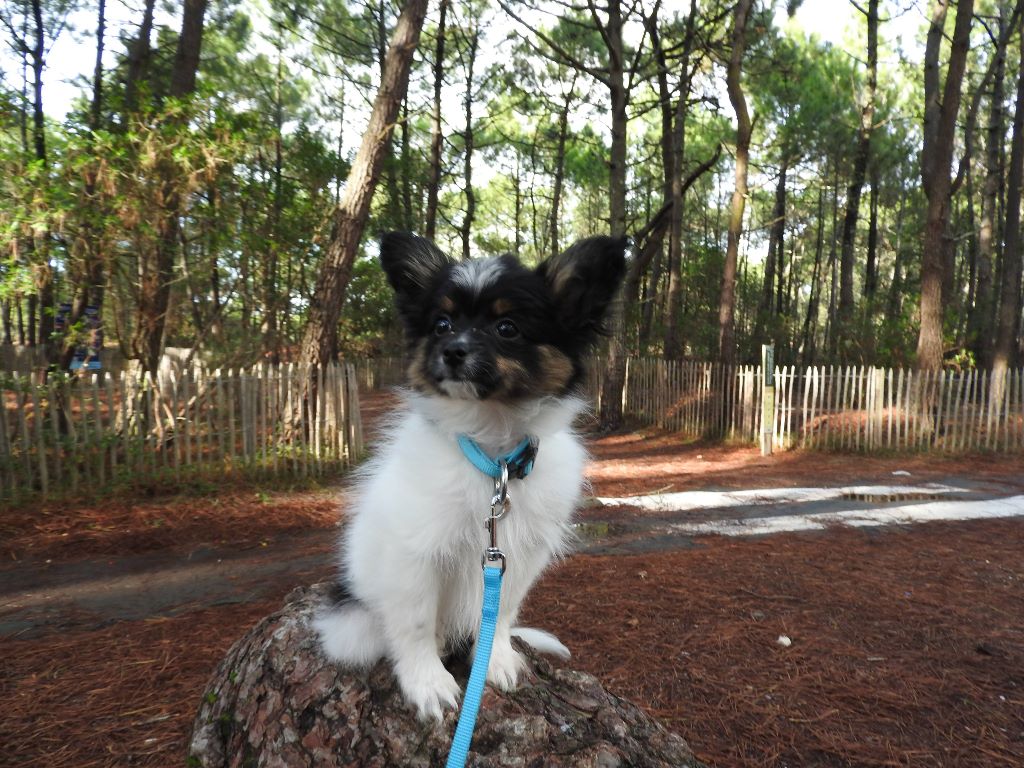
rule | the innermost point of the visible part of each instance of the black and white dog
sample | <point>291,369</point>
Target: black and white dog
<point>497,354</point>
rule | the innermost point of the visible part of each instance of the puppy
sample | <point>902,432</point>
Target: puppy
<point>497,355</point>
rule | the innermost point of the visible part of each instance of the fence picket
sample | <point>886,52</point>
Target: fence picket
<point>966,400</point>
<point>37,424</point>
<point>219,418</point>
<point>55,435</point>
<point>1008,414</point>
<point>261,399</point>
<point>20,410</point>
<point>989,415</point>
<point>97,424</point>
<point>6,450</point>
<point>835,384</point>
<point>277,417</point>
<point>1017,423</point>
<point>1020,408</point>
<point>54,398</point>
<point>942,410</point>
<point>77,423</point>
<point>981,397</point>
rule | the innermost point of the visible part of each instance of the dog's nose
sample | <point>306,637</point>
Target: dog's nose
<point>455,352</point>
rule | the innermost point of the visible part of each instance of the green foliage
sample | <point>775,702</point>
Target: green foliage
<point>260,153</point>
<point>369,323</point>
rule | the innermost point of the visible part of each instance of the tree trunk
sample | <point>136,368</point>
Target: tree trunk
<point>807,347</point>
<point>436,137</point>
<point>269,327</point>
<point>894,307</point>
<point>276,700</point>
<point>867,345</point>
<point>832,269</point>
<point>668,160</point>
<point>23,303</point>
<point>612,76</point>
<point>779,233</point>
<point>38,56</point>
<point>407,173</point>
<point>31,312</point>
<point>156,268</point>
<point>940,115</point>
<point>517,193</point>
<point>844,317</point>
<point>389,168</point>
<point>556,194</point>
<point>6,319</point>
<point>186,55</point>
<point>981,322</point>
<point>320,339</point>
<point>871,265</point>
<point>1010,275</point>
<point>727,296</point>
<point>652,303</point>
<point>618,347</point>
<point>772,288</point>
<point>468,140</point>
<point>19,315</point>
<point>42,273</point>
<point>139,53</point>
<point>91,279</point>
<point>673,322</point>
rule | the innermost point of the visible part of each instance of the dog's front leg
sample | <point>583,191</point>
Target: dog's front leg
<point>507,664</point>
<point>412,637</point>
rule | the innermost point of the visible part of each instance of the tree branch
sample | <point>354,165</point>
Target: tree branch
<point>562,54</point>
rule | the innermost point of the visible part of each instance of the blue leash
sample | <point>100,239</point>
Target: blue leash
<point>517,463</point>
<point>478,675</point>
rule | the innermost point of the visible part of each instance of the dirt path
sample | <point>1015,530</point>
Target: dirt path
<point>91,593</point>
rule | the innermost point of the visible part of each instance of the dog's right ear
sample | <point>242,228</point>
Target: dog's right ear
<point>411,263</point>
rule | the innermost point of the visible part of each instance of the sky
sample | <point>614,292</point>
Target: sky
<point>70,62</point>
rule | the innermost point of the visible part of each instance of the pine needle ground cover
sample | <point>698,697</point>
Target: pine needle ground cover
<point>905,644</point>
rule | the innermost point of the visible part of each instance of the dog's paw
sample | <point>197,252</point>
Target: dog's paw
<point>431,692</point>
<point>507,664</point>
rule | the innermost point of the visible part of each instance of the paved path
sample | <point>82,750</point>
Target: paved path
<point>657,522</point>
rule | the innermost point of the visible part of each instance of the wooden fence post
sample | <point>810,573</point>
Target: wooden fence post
<point>767,398</point>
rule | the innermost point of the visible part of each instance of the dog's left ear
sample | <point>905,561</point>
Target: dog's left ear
<point>584,278</point>
<point>411,263</point>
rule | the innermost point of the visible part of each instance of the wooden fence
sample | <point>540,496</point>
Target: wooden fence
<point>67,435</point>
<point>857,408</point>
<point>376,373</point>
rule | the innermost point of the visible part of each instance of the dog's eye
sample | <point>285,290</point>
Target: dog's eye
<point>442,326</point>
<point>506,329</point>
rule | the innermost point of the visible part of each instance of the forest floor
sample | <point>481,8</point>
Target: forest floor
<point>906,642</point>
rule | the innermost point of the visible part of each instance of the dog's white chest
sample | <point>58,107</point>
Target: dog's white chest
<point>424,503</point>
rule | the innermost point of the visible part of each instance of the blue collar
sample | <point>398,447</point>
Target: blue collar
<point>519,459</point>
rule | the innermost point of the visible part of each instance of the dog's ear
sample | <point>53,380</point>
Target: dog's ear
<point>410,262</point>
<point>584,279</point>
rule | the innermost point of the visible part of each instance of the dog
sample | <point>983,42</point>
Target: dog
<point>497,355</point>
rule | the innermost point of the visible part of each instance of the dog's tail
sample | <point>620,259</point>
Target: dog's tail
<point>350,635</point>
<point>541,641</point>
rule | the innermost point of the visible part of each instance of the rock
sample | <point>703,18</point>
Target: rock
<point>276,701</point>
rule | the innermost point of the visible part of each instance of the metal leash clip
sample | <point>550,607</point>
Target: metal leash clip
<point>500,505</point>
